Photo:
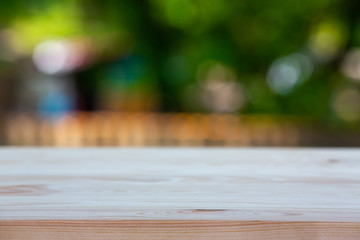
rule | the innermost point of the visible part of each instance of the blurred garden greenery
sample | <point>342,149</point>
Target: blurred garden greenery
<point>280,57</point>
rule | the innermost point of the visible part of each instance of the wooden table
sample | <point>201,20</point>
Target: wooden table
<point>179,193</point>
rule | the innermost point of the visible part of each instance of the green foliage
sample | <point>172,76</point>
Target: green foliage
<point>175,37</point>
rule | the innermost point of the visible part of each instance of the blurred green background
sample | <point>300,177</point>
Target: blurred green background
<point>298,58</point>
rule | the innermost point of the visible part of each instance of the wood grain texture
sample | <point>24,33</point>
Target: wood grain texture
<point>179,193</point>
<point>178,230</point>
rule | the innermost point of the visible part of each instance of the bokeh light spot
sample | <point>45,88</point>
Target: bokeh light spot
<point>327,39</point>
<point>288,72</point>
<point>351,64</point>
<point>347,105</point>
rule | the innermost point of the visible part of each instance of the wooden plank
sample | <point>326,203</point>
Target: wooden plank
<point>187,193</point>
<point>178,230</point>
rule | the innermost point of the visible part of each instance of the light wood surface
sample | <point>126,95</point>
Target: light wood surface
<point>184,193</point>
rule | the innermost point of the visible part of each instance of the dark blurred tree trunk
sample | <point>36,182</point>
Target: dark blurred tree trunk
<point>352,17</point>
<point>161,40</point>
<point>8,86</point>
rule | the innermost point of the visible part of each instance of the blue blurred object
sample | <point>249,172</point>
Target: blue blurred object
<point>55,104</point>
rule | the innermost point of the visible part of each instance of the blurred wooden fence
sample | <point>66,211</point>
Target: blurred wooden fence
<point>155,129</point>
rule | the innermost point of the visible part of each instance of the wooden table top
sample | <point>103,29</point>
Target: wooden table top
<point>179,191</point>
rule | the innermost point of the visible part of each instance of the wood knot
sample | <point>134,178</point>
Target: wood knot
<point>333,161</point>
